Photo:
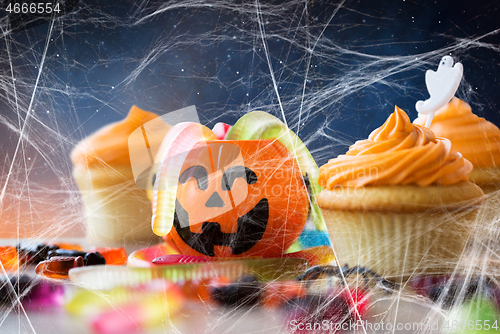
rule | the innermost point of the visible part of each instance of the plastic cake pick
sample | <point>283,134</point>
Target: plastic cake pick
<point>442,85</point>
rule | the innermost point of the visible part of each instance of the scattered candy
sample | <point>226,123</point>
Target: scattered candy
<point>446,291</point>
<point>319,255</point>
<point>336,307</point>
<point>339,303</point>
<point>92,259</point>
<point>12,288</point>
<point>346,274</point>
<point>44,294</point>
<point>89,259</point>
<point>311,309</point>
<point>423,284</point>
<point>107,277</point>
<point>128,309</point>
<point>144,257</point>
<point>58,266</point>
<point>246,291</point>
<point>130,318</point>
<point>31,292</point>
<point>179,258</point>
<point>357,300</point>
<point>65,252</point>
<point>201,290</point>
<point>277,294</point>
<point>34,254</point>
<point>220,130</point>
<point>9,258</point>
<point>476,316</point>
<point>113,256</point>
<point>63,245</point>
<point>314,238</point>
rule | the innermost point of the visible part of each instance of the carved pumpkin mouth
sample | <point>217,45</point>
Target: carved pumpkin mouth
<point>251,228</point>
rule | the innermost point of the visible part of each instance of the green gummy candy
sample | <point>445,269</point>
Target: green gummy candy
<point>477,316</point>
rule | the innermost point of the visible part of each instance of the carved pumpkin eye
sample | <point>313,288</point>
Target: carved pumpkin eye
<point>199,173</point>
<point>232,173</point>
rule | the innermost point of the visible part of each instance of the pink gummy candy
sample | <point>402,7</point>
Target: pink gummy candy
<point>220,130</point>
<point>180,259</point>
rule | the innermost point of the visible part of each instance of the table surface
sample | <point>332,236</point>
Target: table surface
<point>199,318</point>
<point>400,307</point>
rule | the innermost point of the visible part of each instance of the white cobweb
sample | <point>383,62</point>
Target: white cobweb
<point>332,72</point>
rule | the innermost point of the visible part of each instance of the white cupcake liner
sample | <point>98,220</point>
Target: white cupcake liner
<point>116,210</point>
<point>400,245</point>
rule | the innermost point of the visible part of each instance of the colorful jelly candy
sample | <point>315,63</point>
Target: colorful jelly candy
<point>134,317</point>
<point>278,293</point>
<point>31,292</point>
<point>312,309</point>
<point>196,289</point>
<point>357,300</point>
<point>127,309</point>
<point>246,291</point>
<point>9,258</point>
<point>423,284</point>
<point>34,254</point>
<point>179,259</point>
<point>113,256</point>
<point>220,130</point>
<point>44,294</point>
<point>319,255</point>
<point>62,245</point>
<point>58,266</point>
<point>94,258</point>
<point>89,259</point>
<point>65,252</point>
<point>447,291</point>
<point>14,287</point>
<point>476,316</point>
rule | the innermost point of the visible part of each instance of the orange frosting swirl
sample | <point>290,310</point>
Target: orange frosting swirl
<point>109,145</point>
<point>398,152</point>
<point>476,138</point>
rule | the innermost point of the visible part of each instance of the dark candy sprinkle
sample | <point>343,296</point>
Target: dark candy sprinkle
<point>246,291</point>
<point>92,259</point>
<point>65,252</point>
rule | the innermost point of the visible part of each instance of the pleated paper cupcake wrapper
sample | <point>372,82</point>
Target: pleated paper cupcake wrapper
<point>487,233</point>
<point>109,277</point>
<point>400,245</point>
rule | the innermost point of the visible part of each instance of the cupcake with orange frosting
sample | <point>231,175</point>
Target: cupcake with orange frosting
<point>477,139</point>
<point>400,201</point>
<point>118,212</point>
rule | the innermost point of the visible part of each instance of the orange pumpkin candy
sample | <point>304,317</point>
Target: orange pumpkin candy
<point>239,198</point>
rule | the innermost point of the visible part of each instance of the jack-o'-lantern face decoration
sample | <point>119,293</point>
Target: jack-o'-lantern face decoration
<point>239,198</point>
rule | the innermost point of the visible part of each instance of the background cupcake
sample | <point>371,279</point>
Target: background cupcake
<point>476,138</point>
<point>118,212</point>
<point>399,202</point>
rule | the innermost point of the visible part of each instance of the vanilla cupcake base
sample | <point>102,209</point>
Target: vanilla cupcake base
<point>401,231</point>
<point>117,212</point>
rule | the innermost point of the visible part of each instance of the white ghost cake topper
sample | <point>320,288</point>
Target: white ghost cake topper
<point>442,85</point>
